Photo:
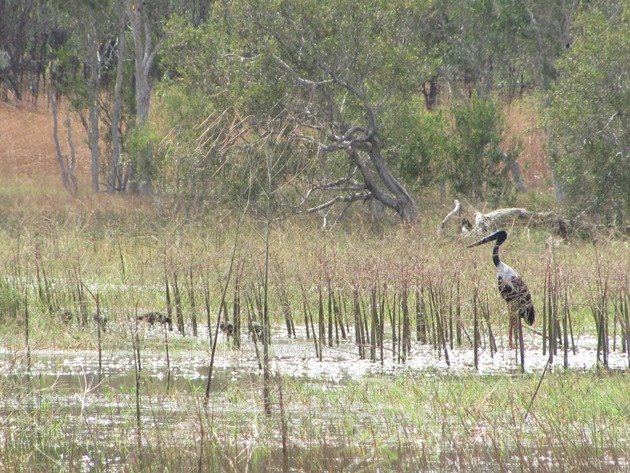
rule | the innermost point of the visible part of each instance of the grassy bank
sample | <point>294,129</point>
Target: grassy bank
<point>577,422</point>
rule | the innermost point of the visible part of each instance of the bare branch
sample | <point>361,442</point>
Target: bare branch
<point>296,76</point>
<point>354,197</point>
<point>451,214</point>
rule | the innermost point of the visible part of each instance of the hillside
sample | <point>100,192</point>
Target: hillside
<point>27,150</point>
<point>28,162</point>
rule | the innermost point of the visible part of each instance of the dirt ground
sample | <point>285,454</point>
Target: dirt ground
<point>27,151</point>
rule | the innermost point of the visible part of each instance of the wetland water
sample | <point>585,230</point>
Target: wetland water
<point>70,384</point>
<point>294,357</point>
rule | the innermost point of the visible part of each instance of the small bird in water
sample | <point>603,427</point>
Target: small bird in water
<point>512,288</point>
<point>226,327</point>
<point>152,317</point>
<point>255,329</point>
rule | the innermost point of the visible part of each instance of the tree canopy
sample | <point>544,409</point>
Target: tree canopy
<point>331,103</point>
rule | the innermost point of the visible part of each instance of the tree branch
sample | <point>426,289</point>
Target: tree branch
<point>354,197</point>
<point>456,211</point>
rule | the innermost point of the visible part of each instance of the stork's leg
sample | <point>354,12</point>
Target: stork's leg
<point>511,331</point>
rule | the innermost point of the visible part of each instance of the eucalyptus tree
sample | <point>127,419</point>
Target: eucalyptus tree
<point>329,80</point>
<point>80,67</point>
<point>25,35</point>
<point>347,72</point>
<point>143,21</point>
<point>587,118</point>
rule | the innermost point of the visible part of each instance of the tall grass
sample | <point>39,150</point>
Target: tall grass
<point>403,286</point>
<point>395,296</point>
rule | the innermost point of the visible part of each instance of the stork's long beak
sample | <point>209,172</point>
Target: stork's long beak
<point>499,235</point>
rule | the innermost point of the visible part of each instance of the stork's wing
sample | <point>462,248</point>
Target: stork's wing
<point>517,295</point>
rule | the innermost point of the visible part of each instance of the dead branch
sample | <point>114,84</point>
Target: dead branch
<point>456,211</point>
<point>504,217</point>
<point>354,197</point>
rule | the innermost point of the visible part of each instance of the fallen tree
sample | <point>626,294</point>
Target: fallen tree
<point>471,221</point>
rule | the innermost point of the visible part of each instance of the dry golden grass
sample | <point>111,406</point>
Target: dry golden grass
<point>26,141</point>
<point>523,125</point>
<point>29,174</point>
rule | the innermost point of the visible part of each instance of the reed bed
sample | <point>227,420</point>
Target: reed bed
<point>386,293</point>
<point>390,297</point>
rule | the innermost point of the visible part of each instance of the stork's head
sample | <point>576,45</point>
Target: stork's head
<point>500,236</point>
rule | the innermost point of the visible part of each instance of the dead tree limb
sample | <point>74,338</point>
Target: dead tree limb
<point>501,217</point>
<point>484,222</point>
<point>451,215</point>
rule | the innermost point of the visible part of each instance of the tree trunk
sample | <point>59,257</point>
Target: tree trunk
<point>396,196</point>
<point>70,184</point>
<point>95,111</point>
<point>114,169</point>
<point>430,92</point>
<point>144,57</point>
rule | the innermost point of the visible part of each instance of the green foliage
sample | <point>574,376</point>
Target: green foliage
<point>140,143</point>
<point>10,299</point>
<point>247,74</point>
<point>477,168</point>
<point>210,150</point>
<point>5,60</point>
<point>417,142</point>
<point>588,115</point>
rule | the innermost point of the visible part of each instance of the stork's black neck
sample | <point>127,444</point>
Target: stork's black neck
<point>495,255</point>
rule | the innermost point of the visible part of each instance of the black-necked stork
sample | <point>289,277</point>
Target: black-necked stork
<point>512,288</point>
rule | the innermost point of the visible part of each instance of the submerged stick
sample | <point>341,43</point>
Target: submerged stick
<point>529,407</point>
<point>223,294</point>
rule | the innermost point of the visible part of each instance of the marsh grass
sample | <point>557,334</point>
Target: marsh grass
<point>389,294</point>
<point>406,423</point>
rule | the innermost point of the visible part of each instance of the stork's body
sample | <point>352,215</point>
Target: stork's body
<point>512,288</point>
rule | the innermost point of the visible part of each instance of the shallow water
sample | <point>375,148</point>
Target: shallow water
<point>294,357</point>
<point>97,401</point>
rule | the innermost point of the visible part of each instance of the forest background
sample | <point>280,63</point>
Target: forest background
<point>309,107</point>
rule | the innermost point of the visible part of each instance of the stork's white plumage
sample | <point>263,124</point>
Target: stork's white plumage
<point>512,288</point>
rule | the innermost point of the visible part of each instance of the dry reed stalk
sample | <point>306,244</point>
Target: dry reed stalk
<point>406,330</point>
<point>393,322</point>
<point>329,311</point>
<point>27,341</point>
<point>373,323</point>
<point>458,311</point>
<point>626,316</point>
<point>359,334</point>
<point>484,310</point>
<point>341,311</point>
<point>121,259</point>
<point>221,306</point>
<point>98,335</point>
<point>545,314</point>
<point>421,319</point>
<point>305,310</point>
<point>321,323</point>
<point>167,295</point>
<point>137,367</point>
<point>285,304</point>
<point>179,313</point>
<point>191,301</point>
<point>236,310</point>
<point>440,341</point>
<point>335,312</point>
<point>284,425</point>
<point>475,327</point>
<point>309,315</point>
<point>521,342</point>
<point>206,299</point>
<point>599,308</point>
